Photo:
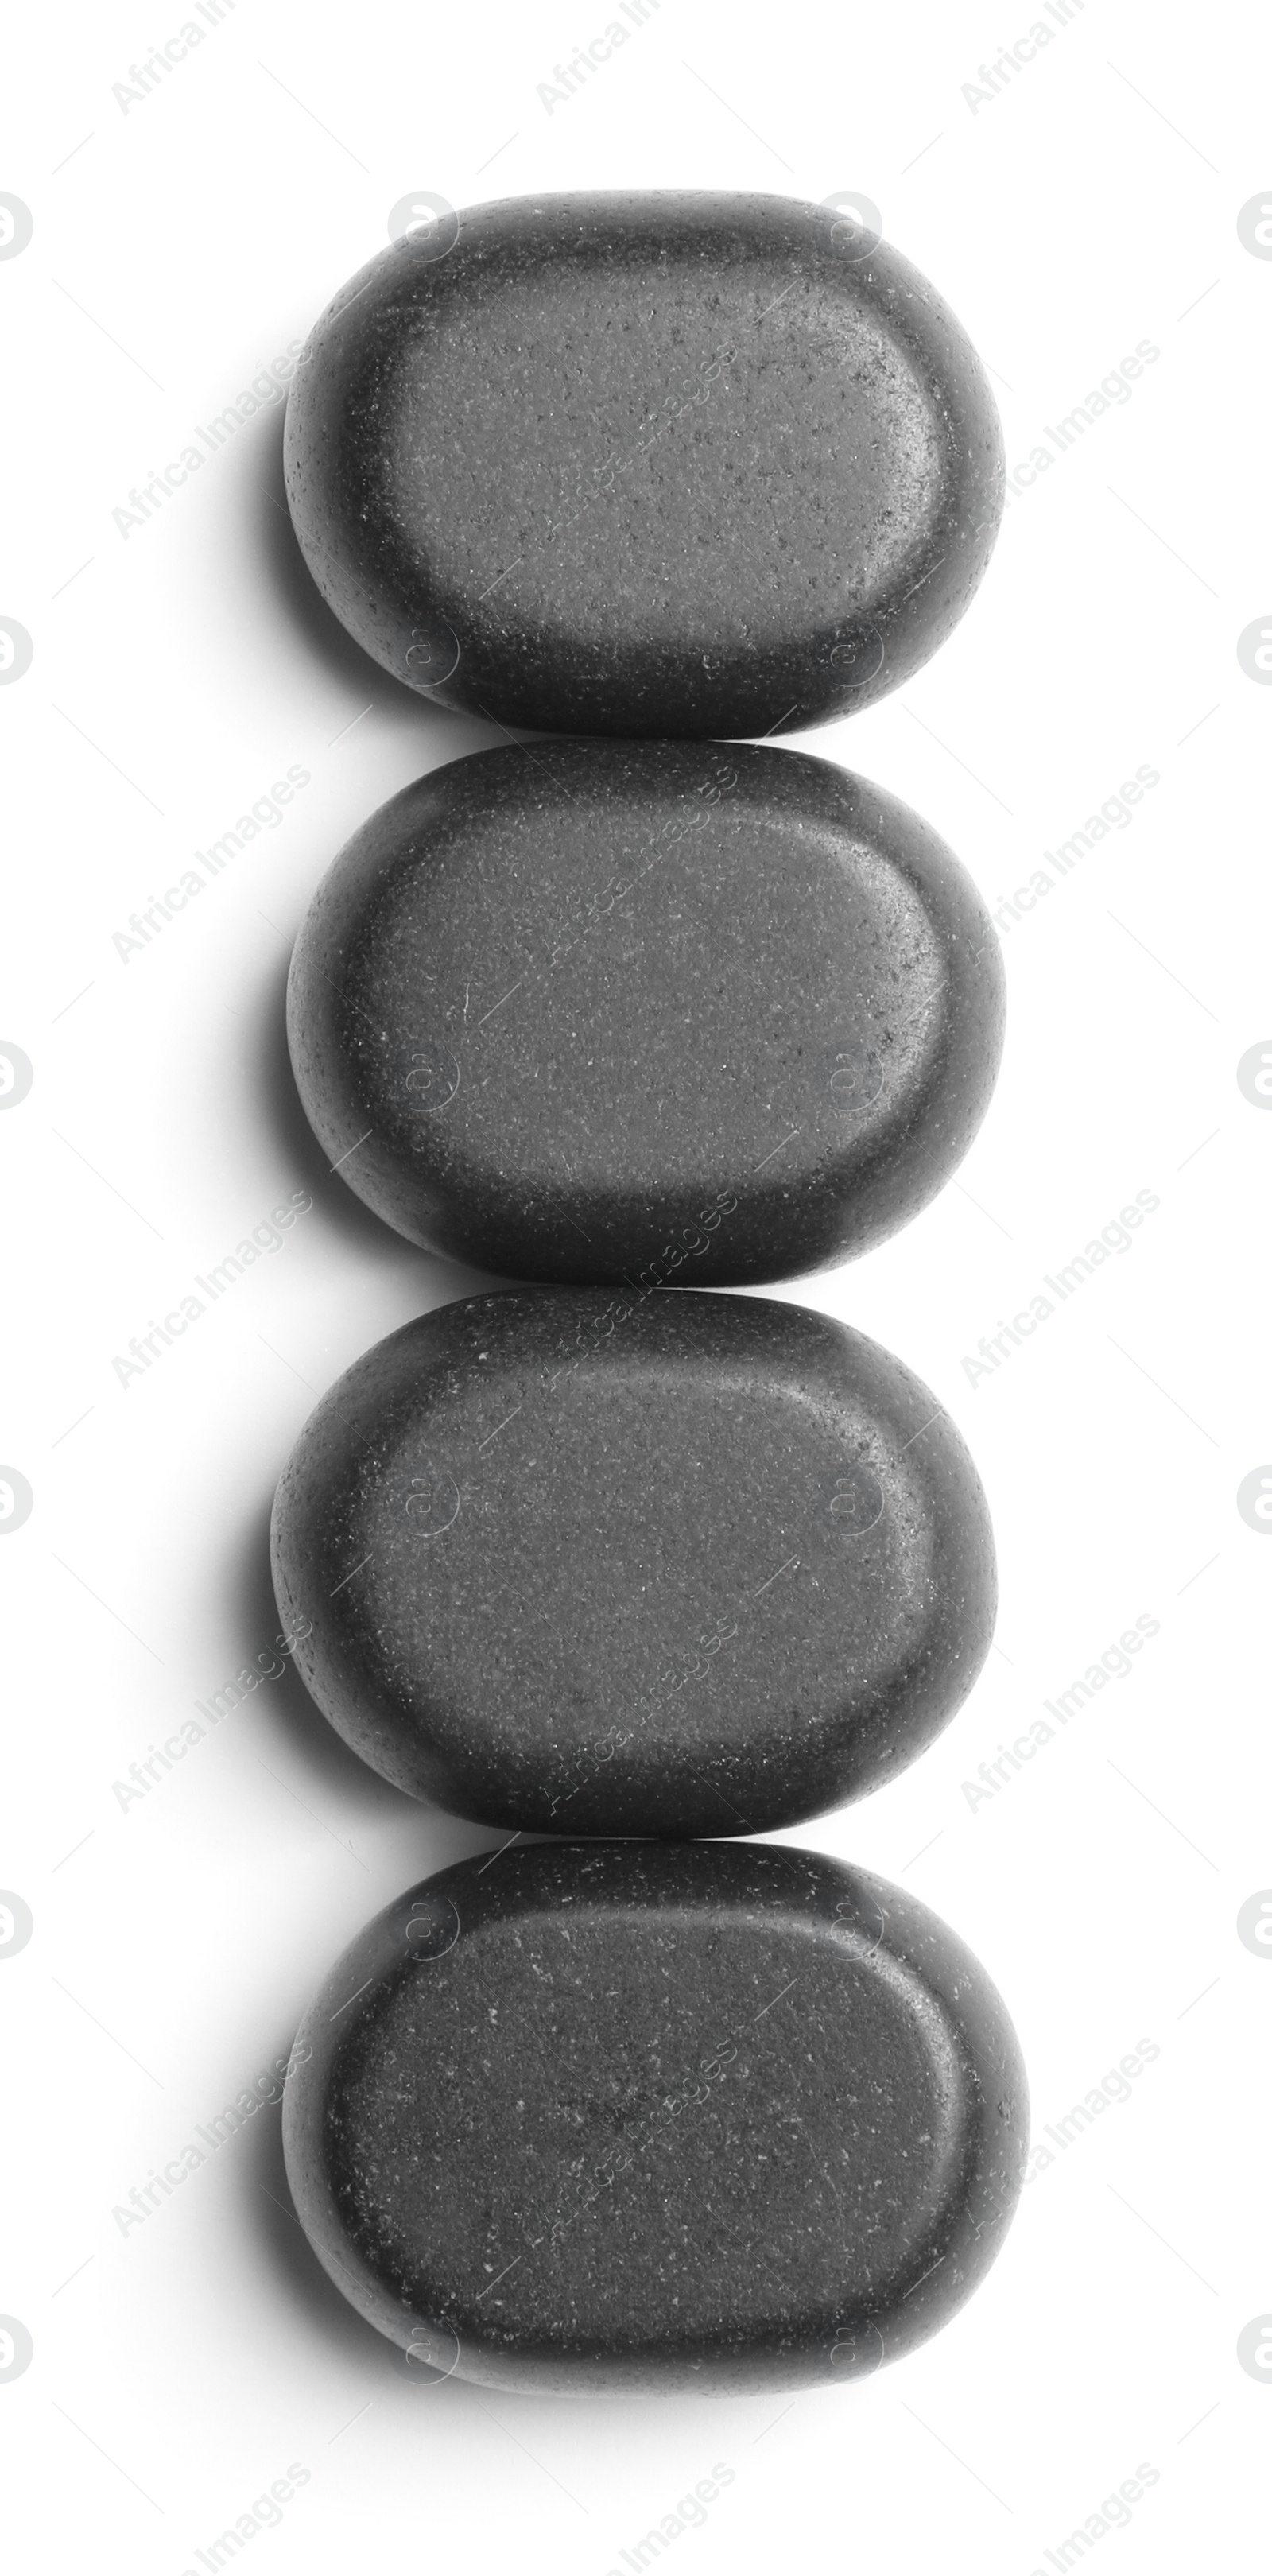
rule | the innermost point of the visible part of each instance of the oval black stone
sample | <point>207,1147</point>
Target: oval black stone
<point>573,1562</point>
<point>633,2118</point>
<point>665,463</point>
<point>626,1007</point>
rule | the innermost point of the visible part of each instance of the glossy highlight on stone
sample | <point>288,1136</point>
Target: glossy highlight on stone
<point>565,1560</point>
<point>650,463</point>
<point>645,1008</point>
<point>624,2119</point>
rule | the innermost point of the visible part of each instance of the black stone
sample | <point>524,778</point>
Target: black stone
<point>614,2119</point>
<point>567,1014</point>
<point>662,463</point>
<point>569,1561</point>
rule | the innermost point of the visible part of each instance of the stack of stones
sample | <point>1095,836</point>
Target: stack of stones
<point>645,1007</point>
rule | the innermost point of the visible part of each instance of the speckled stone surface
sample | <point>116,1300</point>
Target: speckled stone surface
<point>659,463</point>
<point>568,1012</point>
<point>616,2118</point>
<point>572,1561</point>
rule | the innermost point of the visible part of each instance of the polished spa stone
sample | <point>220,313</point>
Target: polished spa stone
<point>622,2118</point>
<point>661,463</point>
<point>639,1008</point>
<point>568,1561</point>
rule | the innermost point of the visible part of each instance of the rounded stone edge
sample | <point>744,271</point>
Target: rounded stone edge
<point>342,1694</point>
<point>335,1439</point>
<point>957,1987</point>
<point>975,452</point>
<point>969,1042</point>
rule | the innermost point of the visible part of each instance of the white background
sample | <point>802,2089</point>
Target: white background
<point>179,245</point>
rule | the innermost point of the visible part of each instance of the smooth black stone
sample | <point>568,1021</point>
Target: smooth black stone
<point>612,1005</point>
<point>573,1562</point>
<point>615,2119</point>
<point>661,463</point>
